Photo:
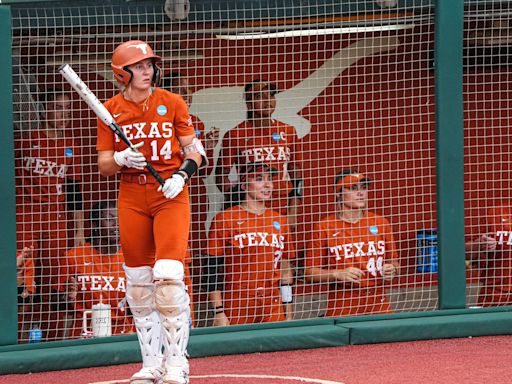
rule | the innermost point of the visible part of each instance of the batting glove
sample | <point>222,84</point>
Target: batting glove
<point>173,186</point>
<point>131,158</point>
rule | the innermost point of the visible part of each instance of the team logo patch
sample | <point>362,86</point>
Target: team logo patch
<point>374,229</point>
<point>68,152</point>
<point>277,225</point>
<point>276,136</point>
<point>189,121</point>
<point>161,110</point>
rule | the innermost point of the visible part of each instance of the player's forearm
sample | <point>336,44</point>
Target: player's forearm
<point>78,216</point>
<point>79,228</point>
<point>196,157</point>
<point>215,298</point>
<point>106,163</point>
<point>319,275</point>
<point>286,272</point>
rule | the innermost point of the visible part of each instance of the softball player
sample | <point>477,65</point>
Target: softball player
<point>47,188</point>
<point>262,139</point>
<point>96,268</point>
<point>153,220</point>
<point>353,251</point>
<point>248,272</point>
<point>494,254</point>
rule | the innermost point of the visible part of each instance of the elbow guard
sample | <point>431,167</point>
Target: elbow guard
<point>197,147</point>
<point>214,273</point>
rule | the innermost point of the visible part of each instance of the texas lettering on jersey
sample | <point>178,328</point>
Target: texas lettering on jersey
<point>156,130</point>
<point>252,246</point>
<point>259,239</point>
<point>101,283</point>
<point>159,127</point>
<point>267,154</point>
<point>504,237</point>
<point>44,167</point>
<point>366,245</point>
<point>43,164</point>
<point>273,145</point>
<point>358,249</point>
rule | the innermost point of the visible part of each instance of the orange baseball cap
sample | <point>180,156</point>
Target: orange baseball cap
<point>351,179</point>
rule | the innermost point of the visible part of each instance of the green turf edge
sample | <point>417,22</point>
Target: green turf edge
<point>221,343</point>
<point>426,328</point>
<point>266,338</point>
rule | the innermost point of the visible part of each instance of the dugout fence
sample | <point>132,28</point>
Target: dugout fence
<point>414,94</point>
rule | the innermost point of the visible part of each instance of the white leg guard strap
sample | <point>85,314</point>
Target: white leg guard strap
<point>172,301</point>
<point>141,298</point>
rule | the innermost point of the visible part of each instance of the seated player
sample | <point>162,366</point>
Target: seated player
<point>352,251</point>
<point>248,268</point>
<point>492,251</point>
<point>97,269</point>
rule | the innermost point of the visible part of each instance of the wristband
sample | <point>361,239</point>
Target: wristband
<point>298,189</point>
<point>189,167</point>
<point>286,293</point>
<point>218,310</point>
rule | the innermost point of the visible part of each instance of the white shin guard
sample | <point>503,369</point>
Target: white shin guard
<point>141,298</point>
<point>172,301</point>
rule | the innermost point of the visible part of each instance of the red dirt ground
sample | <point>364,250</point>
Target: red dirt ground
<point>482,360</point>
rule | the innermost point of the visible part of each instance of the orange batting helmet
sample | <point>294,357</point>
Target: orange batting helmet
<point>129,53</point>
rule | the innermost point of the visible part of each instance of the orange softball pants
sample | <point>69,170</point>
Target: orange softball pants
<point>151,226</point>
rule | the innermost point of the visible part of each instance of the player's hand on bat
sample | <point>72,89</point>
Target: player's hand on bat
<point>131,158</point>
<point>388,271</point>
<point>350,274</point>
<point>173,186</point>
<point>220,320</point>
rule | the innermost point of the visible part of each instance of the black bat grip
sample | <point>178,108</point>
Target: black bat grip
<point>155,174</point>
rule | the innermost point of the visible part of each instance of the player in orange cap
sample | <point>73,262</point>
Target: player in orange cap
<point>248,272</point>
<point>353,251</point>
<point>261,138</point>
<point>153,220</point>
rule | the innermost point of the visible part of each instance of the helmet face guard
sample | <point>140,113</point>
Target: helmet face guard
<point>129,53</point>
